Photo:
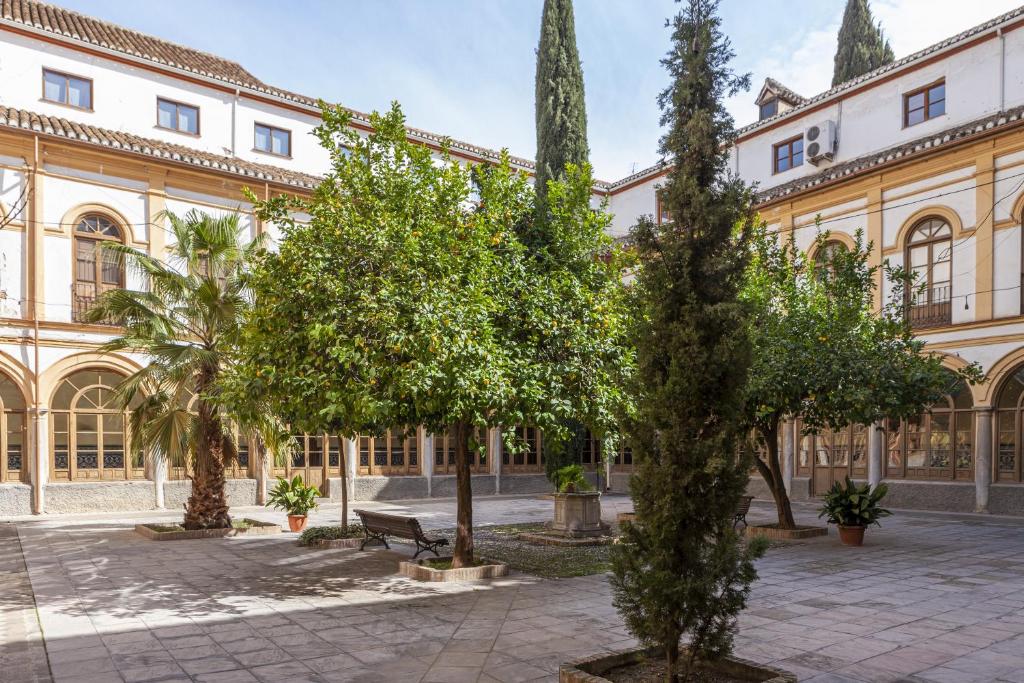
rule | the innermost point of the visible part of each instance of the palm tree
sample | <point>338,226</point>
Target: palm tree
<point>187,322</point>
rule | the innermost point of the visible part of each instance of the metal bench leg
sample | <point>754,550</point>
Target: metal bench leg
<point>374,537</point>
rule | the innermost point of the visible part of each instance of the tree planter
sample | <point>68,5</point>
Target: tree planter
<point>773,533</point>
<point>578,515</point>
<point>851,535</point>
<point>600,668</point>
<point>165,532</point>
<point>421,571</point>
<point>297,523</point>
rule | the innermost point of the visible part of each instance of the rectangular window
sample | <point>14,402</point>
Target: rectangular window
<point>769,109</point>
<point>664,216</point>
<point>924,104</point>
<point>788,154</point>
<point>277,141</point>
<point>71,91</point>
<point>172,115</point>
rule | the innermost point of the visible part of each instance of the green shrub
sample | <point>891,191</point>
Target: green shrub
<point>571,479</point>
<point>852,505</point>
<point>314,534</point>
<point>293,496</point>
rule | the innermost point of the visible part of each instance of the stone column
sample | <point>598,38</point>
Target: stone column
<point>607,463</point>
<point>982,457</point>
<point>159,474</point>
<point>261,471</point>
<point>788,453</point>
<point>40,464</point>
<point>427,464</point>
<point>351,466</point>
<point>494,437</point>
<point>876,447</point>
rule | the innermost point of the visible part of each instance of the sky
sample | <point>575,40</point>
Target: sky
<point>465,68</point>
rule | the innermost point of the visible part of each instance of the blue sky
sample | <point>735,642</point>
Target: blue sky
<point>465,68</point>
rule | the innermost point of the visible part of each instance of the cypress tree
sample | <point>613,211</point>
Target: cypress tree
<point>682,571</point>
<point>561,114</point>
<point>862,47</point>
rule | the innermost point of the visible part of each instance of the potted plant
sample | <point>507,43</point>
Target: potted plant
<point>852,508</point>
<point>295,498</point>
<point>577,505</point>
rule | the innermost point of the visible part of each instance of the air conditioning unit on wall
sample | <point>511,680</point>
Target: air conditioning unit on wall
<point>820,142</point>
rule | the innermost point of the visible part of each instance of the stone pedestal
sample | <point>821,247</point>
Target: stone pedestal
<point>578,515</point>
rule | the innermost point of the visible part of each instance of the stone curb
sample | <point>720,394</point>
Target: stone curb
<point>773,534</point>
<point>416,570</point>
<point>743,669</point>
<point>335,543</point>
<point>565,541</point>
<point>257,528</point>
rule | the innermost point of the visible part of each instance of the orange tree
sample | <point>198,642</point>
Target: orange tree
<point>405,297</point>
<point>822,352</point>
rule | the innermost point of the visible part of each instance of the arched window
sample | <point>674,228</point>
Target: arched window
<point>1009,406</point>
<point>929,258</point>
<point>181,468</point>
<point>444,453</point>
<point>13,464</point>
<point>937,444</point>
<point>824,255</point>
<point>89,437</point>
<point>96,270</point>
<point>390,454</point>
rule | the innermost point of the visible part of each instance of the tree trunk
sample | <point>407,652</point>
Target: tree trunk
<point>207,506</point>
<point>772,474</point>
<point>344,482</point>
<point>462,555</point>
<point>672,660</point>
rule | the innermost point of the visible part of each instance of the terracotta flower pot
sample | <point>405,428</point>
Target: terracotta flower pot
<point>296,522</point>
<point>851,535</point>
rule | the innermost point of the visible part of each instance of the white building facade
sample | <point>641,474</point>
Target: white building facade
<point>102,129</point>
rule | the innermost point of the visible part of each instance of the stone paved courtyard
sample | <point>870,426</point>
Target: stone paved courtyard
<point>930,597</point>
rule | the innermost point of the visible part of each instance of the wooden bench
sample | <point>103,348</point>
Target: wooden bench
<point>377,526</point>
<point>741,511</point>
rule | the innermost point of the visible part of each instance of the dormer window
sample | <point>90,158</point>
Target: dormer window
<point>769,109</point>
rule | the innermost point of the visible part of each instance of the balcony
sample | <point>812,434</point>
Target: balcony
<point>933,309</point>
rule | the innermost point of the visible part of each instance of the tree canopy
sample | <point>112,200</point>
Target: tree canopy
<point>862,46</point>
<point>405,297</point>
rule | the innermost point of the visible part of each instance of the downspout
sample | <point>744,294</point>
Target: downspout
<point>1002,68</point>
<point>234,102</point>
<point>37,479</point>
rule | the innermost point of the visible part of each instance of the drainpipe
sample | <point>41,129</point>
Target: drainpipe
<point>234,102</point>
<point>40,466</point>
<point>1002,68</point>
<point>38,504</point>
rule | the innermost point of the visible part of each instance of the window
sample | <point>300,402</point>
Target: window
<point>664,215</point>
<point>788,154</point>
<point>314,458</point>
<point>89,430</point>
<point>823,258</point>
<point>13,463</point>
<point>171,115</point>
<point>1009,426</point>
<point>444,452</point>
<point>71,91</point>
<point>929,259</point>
<point>272,140</point>
<point>392,453</point>
<point>926,103</point>
<point>937,444</point>
<point>529,453</point>
<point>97,270</point>
<point>769,109</point>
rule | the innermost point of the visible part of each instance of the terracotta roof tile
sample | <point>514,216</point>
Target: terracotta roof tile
<point>63,128</point>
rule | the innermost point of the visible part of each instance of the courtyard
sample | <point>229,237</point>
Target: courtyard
<point>930,597</point>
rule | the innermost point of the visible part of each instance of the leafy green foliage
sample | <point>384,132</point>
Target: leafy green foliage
<point>187,323</point>
<point>571,479</point>
<point>681,570</point>
<point>315,534</point>
<point>850,504</point>
<point>861,46</point>
<point>823,352</point>
<point>293,496</point>
<point>561,114</point>
<point>406,298</point>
